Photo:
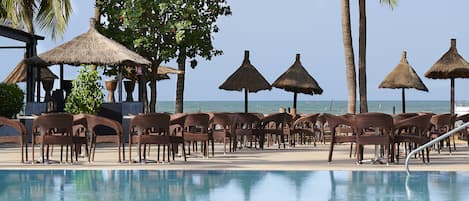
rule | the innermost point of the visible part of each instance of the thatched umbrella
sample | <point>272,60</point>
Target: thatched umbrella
<point>246,77</point>
<point>19,73</point>
<point>403,76</point>
<point>163,72</point>
<point>450,66</point>
<point>297,80</point>
<point>93,48</point>
<point>41,73</point>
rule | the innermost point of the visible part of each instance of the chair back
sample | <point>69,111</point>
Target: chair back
<point>150,123</point>
<point>246,121</point>
<point>49,123</point>
<point>442,122</point>
<point>93,121</point>
<point>306,121</point>
<point>379,122</point>
<point>18,126</point>
<point>220,120</point>
<point>401,116</point>
<point>419,124</point>
<point>277,120</point>
<point>197,122</point>
<point>334,121</point>
<point>464,118</point>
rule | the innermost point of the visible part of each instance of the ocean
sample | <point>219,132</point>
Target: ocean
<point>334,107</point>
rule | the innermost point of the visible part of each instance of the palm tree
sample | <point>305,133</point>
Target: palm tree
<point>349,57</point>
<point>362,51</point>
<point>51,15</point>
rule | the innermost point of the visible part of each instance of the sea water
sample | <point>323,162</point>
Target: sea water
<point>334,107</point>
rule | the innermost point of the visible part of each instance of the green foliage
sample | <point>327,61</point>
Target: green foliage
<point>86,95</point>
<point>194,25</point>
<point>51,15</point>
<point>141,25</point>
<point>158,29</point>
<point>11,100</point>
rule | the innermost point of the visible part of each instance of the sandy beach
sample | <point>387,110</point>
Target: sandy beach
<point>300,158</point>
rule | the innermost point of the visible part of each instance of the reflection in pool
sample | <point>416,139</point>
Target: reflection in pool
<point>231,185</point>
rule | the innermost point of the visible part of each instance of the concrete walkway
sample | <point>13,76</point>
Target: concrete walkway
<point>303,157</point>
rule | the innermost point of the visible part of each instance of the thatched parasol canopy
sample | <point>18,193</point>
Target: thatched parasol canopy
<point>403,76</point>
<point>93,48</point>
<point>450,66</point>
<point>246,77</point>
<point>297,80</point>
<point>168,70</point>
<point>19,73</point>
<point>163,72</point>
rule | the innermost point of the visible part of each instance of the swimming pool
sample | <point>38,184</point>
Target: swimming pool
<point>139,185</point>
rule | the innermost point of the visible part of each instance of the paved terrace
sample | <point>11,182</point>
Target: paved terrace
<point>303,157</point>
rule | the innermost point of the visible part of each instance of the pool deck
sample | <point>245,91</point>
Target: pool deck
<point>303,157</point>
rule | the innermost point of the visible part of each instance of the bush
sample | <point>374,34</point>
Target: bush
<point>11,100</point>
<point>86,95</point>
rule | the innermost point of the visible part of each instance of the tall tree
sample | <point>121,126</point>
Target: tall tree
<point>196,23</point>
<point>362,57</point>
<point>362,51</point>
<point>145,26</point>
<point>51,15</point>
<point>349,57</point>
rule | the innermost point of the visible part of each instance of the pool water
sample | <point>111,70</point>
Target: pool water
<point>77,185</point>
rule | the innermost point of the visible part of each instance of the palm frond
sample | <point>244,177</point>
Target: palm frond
<point>8,13</point>
<point>53,16</point>
<point>26,10</point>
<point>391,3</point>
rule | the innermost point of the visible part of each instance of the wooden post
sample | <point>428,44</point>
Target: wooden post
<point>246,91</point>
<point>295,95</point>
<point>452,97</point>
<point>403,100</point>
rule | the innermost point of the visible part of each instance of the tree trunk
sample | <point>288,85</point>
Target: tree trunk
<point>97,14</point>
<point>362,58</point>
<point>349,58</point>
<point>153,82</point>
<point>180,81</point>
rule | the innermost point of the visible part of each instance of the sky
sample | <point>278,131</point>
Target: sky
<point>275,31</point>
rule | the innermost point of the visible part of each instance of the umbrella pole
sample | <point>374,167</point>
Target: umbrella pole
<point>61,76</point>
<point>295,95</point>
<point>403,100</point>
<point>119,79</point>
<point>246,100</point>
<point>452,96</point>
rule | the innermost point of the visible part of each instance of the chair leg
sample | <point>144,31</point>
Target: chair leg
<point>164,153</point>
<point>42,153</point>
<point>26,150</point>
<point>139,150</point>
<point>130,151</point>
<point>428,155</point>
<point>158,153</point>
<point>173,150</point>
<point>22,153</point>
<point>454,143</point>
<point>168,146</point>
<point>122,146</point>
<point>213,146</point>
<point>93,150</point>
<point>331,149</point>
<point>184,152</point>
